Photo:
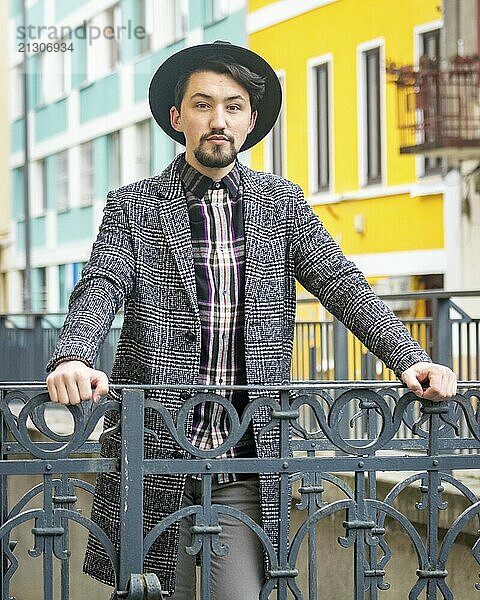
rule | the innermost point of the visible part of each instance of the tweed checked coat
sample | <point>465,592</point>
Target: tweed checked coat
<point>143,258</point>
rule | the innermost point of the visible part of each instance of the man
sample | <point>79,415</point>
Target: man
<point>205,257</point>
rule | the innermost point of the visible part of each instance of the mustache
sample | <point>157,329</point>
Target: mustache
<point>218,132</point>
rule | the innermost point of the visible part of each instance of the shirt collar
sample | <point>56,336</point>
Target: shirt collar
<point>198,184</point>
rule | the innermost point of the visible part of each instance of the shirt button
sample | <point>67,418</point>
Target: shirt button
<point>224,292</point>
<point>217,185</point>
<point>220,380</point>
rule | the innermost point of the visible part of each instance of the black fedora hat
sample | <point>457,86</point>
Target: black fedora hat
<point>161,94</point>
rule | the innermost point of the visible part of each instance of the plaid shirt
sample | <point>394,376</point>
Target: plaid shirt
<point>216,223</point>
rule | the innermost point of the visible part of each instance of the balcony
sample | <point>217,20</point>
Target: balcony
<point>439,109</point>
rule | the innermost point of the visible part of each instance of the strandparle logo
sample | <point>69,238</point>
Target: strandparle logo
<point>81,32</point>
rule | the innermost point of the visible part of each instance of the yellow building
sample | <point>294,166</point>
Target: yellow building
<point>337,136</point>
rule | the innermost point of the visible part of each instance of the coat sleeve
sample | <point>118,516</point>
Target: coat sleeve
<point>322,268</point>
<point>106,281</point>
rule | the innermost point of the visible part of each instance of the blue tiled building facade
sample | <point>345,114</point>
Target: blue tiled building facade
<point>89,65</point>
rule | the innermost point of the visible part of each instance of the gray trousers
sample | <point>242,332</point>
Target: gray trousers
<point>240,574</point>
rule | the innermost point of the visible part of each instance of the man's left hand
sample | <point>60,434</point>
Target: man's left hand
<point>442,381</point>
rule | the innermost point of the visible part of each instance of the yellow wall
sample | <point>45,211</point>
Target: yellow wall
<point>392,223</point>
<point>256,4</point>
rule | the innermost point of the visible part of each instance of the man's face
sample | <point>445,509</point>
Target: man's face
<point>215,117</point>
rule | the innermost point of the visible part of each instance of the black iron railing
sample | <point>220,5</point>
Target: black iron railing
<point>344,435</point>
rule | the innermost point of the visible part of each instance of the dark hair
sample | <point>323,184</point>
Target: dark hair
<point>226,65</point>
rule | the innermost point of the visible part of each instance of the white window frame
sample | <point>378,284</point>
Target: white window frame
<point>87,173</point>
<point>100,51</point>
<point>218,9</point>
<point>61,182</point>
<point>147,8</point>
<point>418,32</point>
<point>43,290</point>
<point>114,159</point>
<point>362,49</point>
<point>55,74</point>
<point>38,191</point>
<point>143,141</point>
<point>173,25</point>
<point>312,65</point>
<point>16,92</point>
<point>269,139</point>
<point>114,43</point>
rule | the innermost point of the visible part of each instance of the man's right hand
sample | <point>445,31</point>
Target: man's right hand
<point>72,381</point>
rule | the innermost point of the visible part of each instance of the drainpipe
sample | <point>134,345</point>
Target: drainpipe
<point>452,223</point>
<point>27,281</point>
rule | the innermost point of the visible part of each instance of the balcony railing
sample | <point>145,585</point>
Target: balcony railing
<point>346,437</point>
<point>323,348</point>
<point>439,109</point>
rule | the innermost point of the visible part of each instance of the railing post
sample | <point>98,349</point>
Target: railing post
<point>442,332</point>
<point>4,376</point>
<point>37,365</point>
<point>340,367</point>
<point>131,487</point>
<point>340,351</point>
<point>4,504</point>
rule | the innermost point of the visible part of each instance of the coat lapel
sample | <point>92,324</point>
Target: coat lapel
<point>175,223</point>
<point>258,221</point>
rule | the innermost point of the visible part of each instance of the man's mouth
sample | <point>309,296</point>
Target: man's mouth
<point>217,138</point>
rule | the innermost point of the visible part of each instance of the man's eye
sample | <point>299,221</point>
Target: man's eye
<point>201,105</point>
<point>234,107</point>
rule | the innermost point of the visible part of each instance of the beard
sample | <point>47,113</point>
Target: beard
<point>219,156</point>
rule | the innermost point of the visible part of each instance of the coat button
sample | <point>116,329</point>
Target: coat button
<point>184,395</point>
<point>190,336</point>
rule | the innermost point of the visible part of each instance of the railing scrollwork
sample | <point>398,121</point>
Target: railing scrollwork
<point>342,434</point>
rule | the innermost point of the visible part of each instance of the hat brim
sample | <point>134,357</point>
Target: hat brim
<point>161,94</point>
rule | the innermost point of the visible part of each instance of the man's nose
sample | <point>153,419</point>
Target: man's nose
<point>218,120</point>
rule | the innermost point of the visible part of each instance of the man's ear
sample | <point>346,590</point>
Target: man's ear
<point>253,120</point>
<point>175,119</point>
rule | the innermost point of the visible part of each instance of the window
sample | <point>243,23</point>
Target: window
<point>39,289</point>
<point>55,75</point>
<point>145,18</point>
<point>372,126</point>
<point>321,114</point>
<point>61,180</point>
<point>62,288</point>
<point>103,53</point>
<point>44,185</point>
<point>113,159</point>
<point>430,47</point>
<point>174,25</point>
<point>16,97</point>
<point>39,192</point>
<point>274,143</point>
<point>68,277</point>
<point>87,175</point>
<point>114,22</point>
<point>144,149</point>
<point>216,10</point>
